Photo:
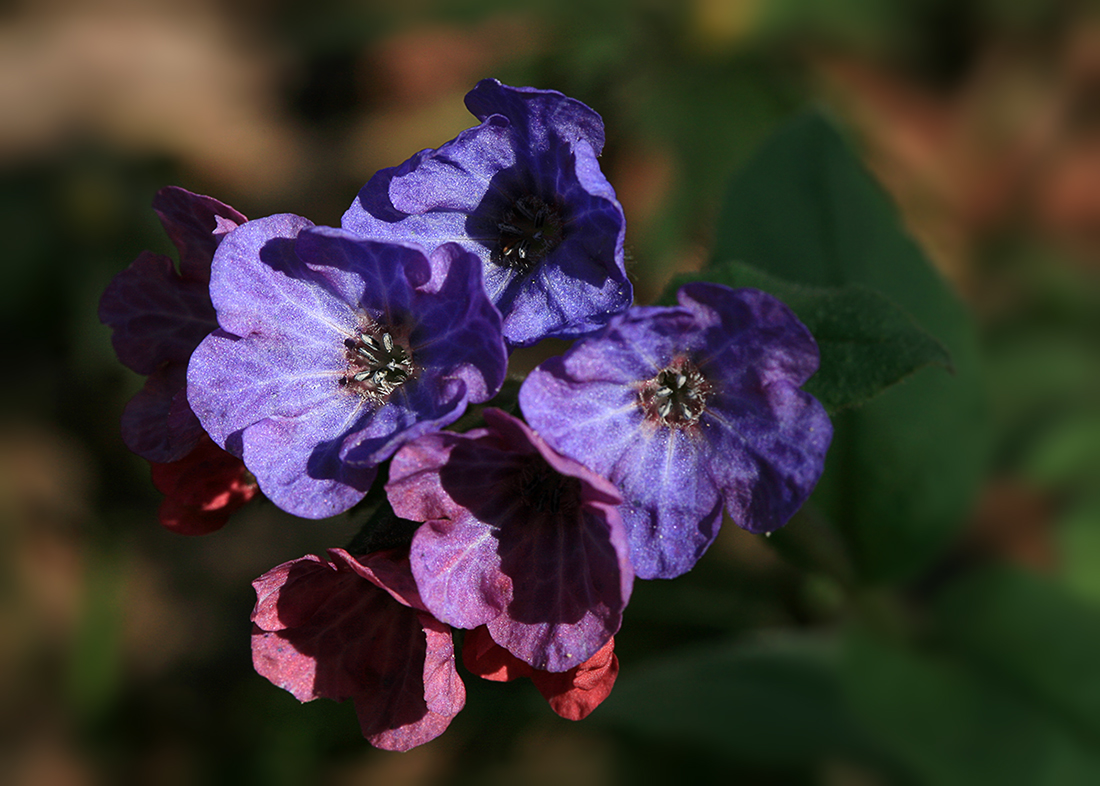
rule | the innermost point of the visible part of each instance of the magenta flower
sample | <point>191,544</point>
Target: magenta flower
<point>687,410</point>
<point>158,316</point>
<point>356,629</point>
<point>524,192</point>
<point>333,351</point>
<point>515,537</point>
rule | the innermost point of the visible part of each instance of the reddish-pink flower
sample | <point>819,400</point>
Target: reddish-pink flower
<point>203,489</point>
<point>572,694</point>
<point>356,629</point>
<point>158,314</point>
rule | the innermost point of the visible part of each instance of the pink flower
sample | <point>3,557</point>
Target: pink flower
<point>203,489</point>
<point>572,694</point>
<point>356,629</point>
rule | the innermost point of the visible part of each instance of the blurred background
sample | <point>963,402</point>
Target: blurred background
<point>124,649</point>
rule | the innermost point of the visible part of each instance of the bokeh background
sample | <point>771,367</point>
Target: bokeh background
<point>124,649</point>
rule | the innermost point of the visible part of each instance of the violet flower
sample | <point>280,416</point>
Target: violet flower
<point>158,316</point>
<point>356,629</point>
<point>688,409</point>
<point>515,537</point>
<point>333,351</point>
<point>523,191</point>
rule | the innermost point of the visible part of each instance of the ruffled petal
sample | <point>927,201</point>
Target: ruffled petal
<point>334,629</point>
<point>742,436</point>
<point>527,542</point>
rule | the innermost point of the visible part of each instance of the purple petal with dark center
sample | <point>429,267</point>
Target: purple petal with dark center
<point>271,386</point>
<point>532,144</point>
<point>758,447</point>
<point>522,539</point>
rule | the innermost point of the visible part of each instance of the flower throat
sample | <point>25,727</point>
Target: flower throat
<point>529,230</point>
<point>676,396</point>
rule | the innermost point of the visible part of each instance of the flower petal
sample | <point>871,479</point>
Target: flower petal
<point>157,423</point>
<point>750,440</point>
<point>194,223</point>
<point>156,316</point>
<point>526,541</point>
<point>333,629</point>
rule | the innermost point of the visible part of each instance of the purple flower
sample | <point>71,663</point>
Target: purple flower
<point>523,191</point>
<point>356,629</point>
<point>688,409</point>
<point>158,316</point>
<point>334,350</point>
<point>515,537</point>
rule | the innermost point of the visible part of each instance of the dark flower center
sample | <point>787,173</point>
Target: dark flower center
<point>544,490</point>
<point>378,364</point>
<point>677,396</point>
<point>529,230</point>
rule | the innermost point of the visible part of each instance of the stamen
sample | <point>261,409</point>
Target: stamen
<point>529,231</point>
<point>676,396</point>
<point>377,364</point>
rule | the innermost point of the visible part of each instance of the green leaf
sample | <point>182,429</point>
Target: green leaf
<point>775,701</point>
<point>1078,533</point>
<point>1069,454</point>
<point>903,468</point>
<point>867,343</point>
<point>1012,697</point>
<point>1035,637</point>
<point>952,725</point>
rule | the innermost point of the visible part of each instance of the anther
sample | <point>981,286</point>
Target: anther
<point>529,230</point>
<point>377,365</point>
<point>676,396</point>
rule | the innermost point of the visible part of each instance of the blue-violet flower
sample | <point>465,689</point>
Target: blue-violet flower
<point>333,350</point>
<point>524,191</point>
<point>515,537</point>
<point>687,409</point>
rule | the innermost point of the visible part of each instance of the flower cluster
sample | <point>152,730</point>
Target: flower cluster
<point>301,361</point>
